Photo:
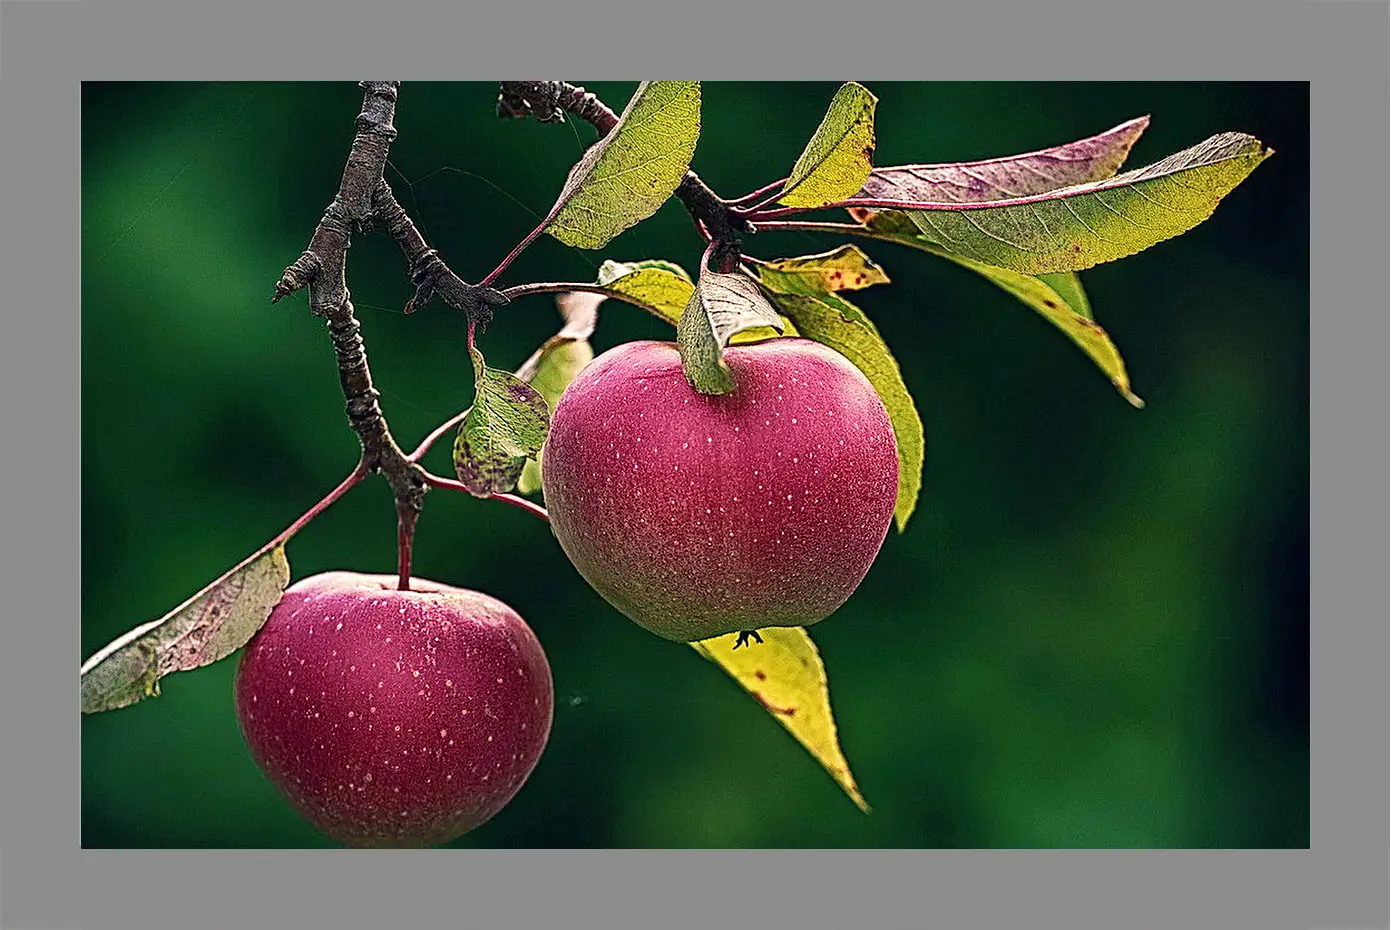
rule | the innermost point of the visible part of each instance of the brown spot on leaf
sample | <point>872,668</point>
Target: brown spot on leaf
<point>773,708</point>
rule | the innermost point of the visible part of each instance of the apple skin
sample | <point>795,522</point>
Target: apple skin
<point>697,515</point>
<point>394,718</point>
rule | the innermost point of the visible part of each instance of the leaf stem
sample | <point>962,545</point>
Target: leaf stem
<point>808,226</point>
<point>346,485</point>
<point>436,434</point>
<point>521,503</point>
<point>552,287</point>
<point>520,247</point>
<point>743,202</point>
<point>848,229</point>
<point>556,287</point>
<point>758,215</point>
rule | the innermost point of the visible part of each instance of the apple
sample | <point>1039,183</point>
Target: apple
<point>698,515</point>
<point>394,718</point>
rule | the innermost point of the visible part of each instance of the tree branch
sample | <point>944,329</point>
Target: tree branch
<point>322,267</point>
<point>549,101</point>
<point>430,275</point>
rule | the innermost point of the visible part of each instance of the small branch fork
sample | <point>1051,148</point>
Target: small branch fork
<point>322,268</point>
<point>363,195</point>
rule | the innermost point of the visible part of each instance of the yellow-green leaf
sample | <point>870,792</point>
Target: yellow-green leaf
<point>785,675</point>
<point>838,158</point>
<point>845,268</point>
<point>722,305</point>
<point>625,176</point>
<point>1068,286</point>
<point>209,626</point>
<point>1058,298</point>
<point>833,321</point>
<point>1073,228</point>
<point>657,286</point>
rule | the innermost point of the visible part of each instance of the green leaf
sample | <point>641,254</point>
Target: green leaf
<point>1059,298</point>
<point>785,675</point>
<point>553,366</point>
<point>837,161</point>
<point>659,287</point>
<point>835,322</point>
<point>1073,228</point>
<point>1091,159</point>
<point>722,305</point>
<point>625,176</point>
<point>846,268</point>
<point>505,426</point>
<point>209,626</point>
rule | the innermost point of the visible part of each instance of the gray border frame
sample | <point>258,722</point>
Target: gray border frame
<point>46,48</point>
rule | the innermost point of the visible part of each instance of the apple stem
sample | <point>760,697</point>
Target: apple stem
<point>406,517</point>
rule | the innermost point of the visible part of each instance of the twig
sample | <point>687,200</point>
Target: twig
<point>322,267</point>
<point>549,101</point>
<point>430,275</point>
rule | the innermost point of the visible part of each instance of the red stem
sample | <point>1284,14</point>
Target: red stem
<point>344,487</point>
<point>521,503</point>
<point>435,436</point>
<point>753,196</point>
<point>406,518</point>
<point>759,215</point>
<point>511,256</point>
<point>811,226</point>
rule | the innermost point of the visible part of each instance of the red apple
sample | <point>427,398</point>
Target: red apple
<point>698,515</point>
<point>394,718</point>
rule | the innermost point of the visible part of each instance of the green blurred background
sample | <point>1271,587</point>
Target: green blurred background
<point>1093,633</point>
